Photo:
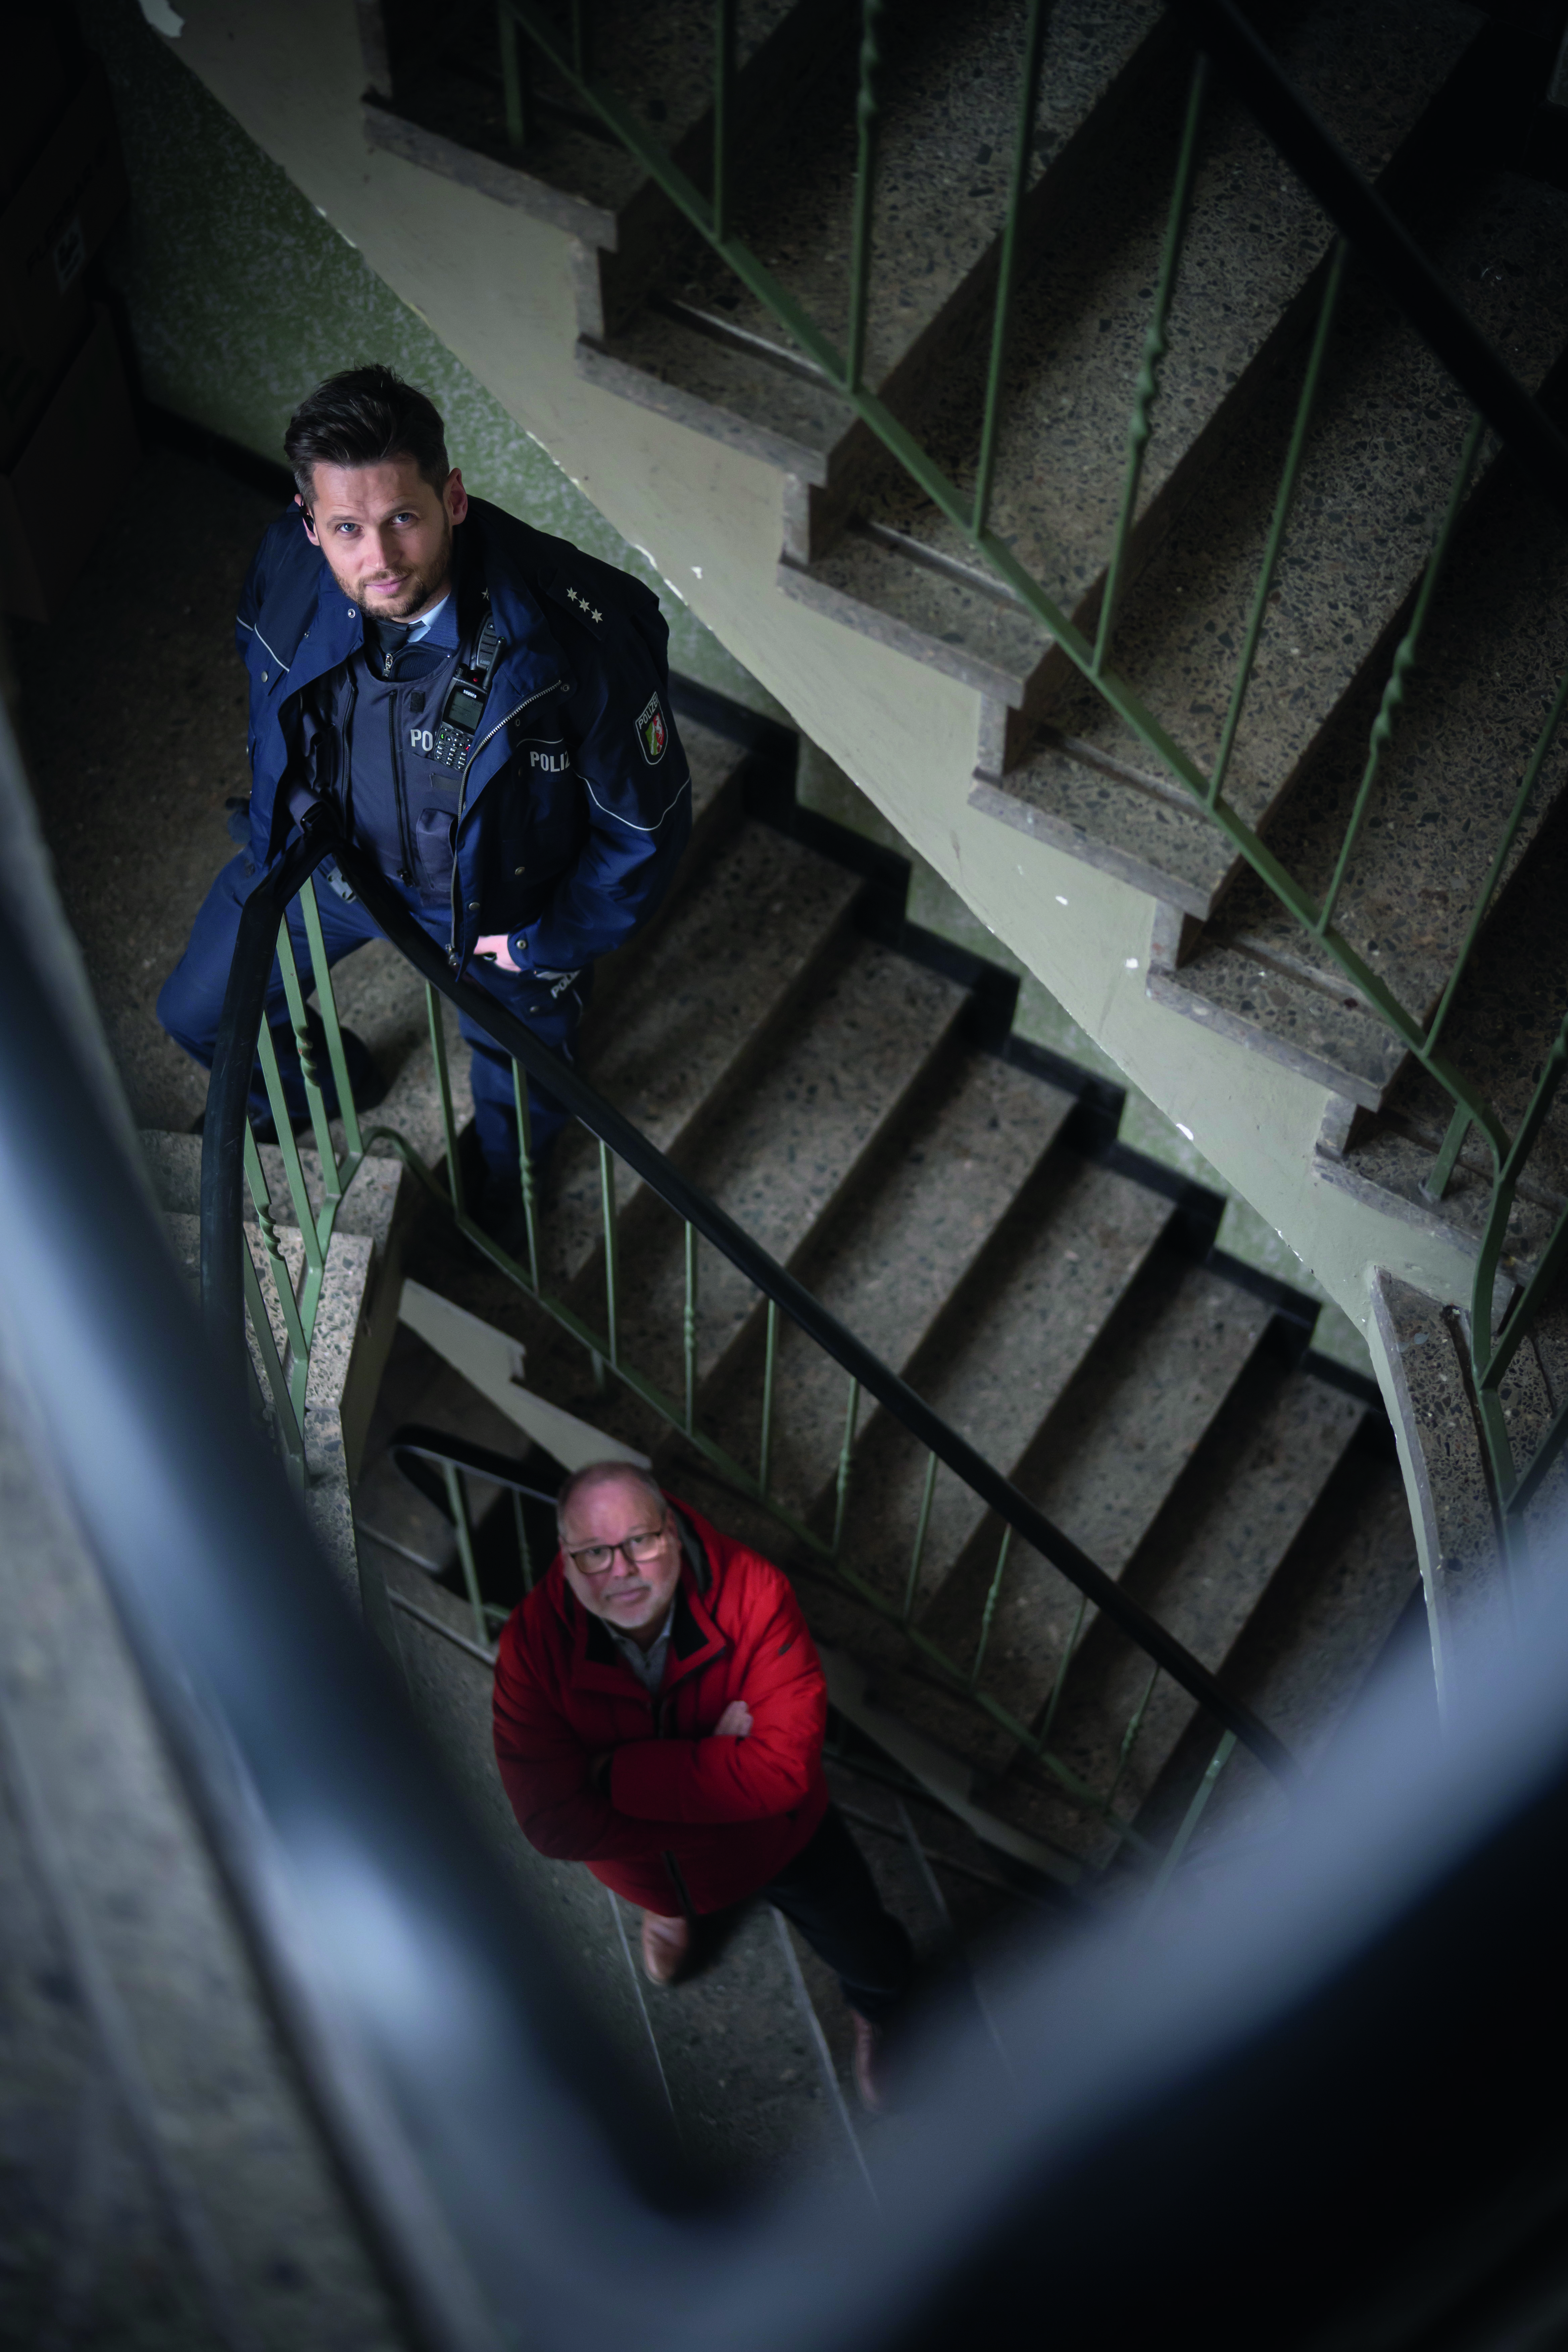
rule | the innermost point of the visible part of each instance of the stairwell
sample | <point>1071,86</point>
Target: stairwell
<point>849,1086</point>
<point>843,1084</point>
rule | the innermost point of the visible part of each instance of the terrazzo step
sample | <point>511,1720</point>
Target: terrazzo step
<point>925,1208</point>
<point>713,355</point>
<point>1489,665</point>
<point>1256,240</point>
<point>995,1366</point>
<point>1213,1553</point>
<point>1500,1033</point>
<point>1427,1348</point>
<point>367,1208</point>
<point>1183,1344</point>
<point>728,964</point>
<point>778,1156</point>
<point>717,770</point>
<point>1374,503</point>
<point>1302,1659</point>
<point>1388,1165</point>
<point>438,98</point>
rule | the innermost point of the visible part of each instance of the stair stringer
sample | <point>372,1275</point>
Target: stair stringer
<point>710,514</point>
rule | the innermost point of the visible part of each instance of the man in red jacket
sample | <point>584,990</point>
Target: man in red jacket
<point>660,1711</point>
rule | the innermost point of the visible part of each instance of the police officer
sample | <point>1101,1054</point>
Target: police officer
<point>488,709</point>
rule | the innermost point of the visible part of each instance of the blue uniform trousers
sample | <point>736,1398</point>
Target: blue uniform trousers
<point>190,1005</point>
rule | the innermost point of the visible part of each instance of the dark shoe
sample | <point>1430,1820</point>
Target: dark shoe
<point>665,1948</point>
<point>369,1087</point>
<point>869,2064</point>
<point>499,1213</point>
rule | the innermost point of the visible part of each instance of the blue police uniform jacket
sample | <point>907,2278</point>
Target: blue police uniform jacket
<point>575,802</point>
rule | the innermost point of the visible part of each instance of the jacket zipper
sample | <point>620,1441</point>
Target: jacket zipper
<point>452,957</point>
<point>661,1731</point>
<point>400,791</point>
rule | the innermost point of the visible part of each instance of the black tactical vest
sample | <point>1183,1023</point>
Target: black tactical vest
<point>401,797</point>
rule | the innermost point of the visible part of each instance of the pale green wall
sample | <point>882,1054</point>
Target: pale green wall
<point>239,295</point>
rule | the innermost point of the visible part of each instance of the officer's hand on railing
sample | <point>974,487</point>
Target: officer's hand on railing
<point>493,948</point>
<point>735,1721</point>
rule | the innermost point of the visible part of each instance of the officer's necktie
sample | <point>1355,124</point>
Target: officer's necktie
<point>391,637</point>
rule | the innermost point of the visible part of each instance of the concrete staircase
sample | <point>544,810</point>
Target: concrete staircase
<point>805,1058</point>
<point>664,324</point>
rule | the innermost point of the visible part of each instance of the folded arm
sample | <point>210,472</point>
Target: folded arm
<point>547,1772</point>
<point>723,1778</point>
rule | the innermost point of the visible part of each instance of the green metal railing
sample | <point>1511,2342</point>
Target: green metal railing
<point>823,1547</point>
<point>530,35</point>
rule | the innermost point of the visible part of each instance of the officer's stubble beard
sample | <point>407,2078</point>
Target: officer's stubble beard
<point>422,587</point>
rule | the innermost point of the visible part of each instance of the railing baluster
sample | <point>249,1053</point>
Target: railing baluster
<point>443,1093</point>
<point>990,1609</point>
<point>867,119</point>
<point>1129,1736</point>
<point>1007,265</point>
<point>851,1413</point>
<point>724,111</point>
<point>1489,1362</point>
<point>525,1168</point>
<point>458,1499</point>
<point>1190,1821</point>
<point>288,1305</point>
<point>1393,692</point>
<point>289,1422</point>
<point>770,1364</point>
<point>321,971</point>
<point>1436,1183</point>
<point>921,1523</point>
<point>316,1101</point>
<point>1146,389</point>
<point>524,1548</point>
<point>1544,743</point>
<point>288,1151</point>
<point>612,1262</point>
<point>1282,506</point>
<point>514,78</point>
<point>1064,1662</point>
<point>689,1329</point>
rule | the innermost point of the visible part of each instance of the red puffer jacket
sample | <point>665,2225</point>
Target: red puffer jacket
<point>688,1820</point>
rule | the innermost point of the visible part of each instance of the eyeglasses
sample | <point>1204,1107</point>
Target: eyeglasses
<point>596,1559</point>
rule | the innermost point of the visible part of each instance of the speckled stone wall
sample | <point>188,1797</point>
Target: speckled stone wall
<point>238,296</point>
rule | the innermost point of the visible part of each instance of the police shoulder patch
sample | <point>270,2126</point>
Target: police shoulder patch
<point>652,732</point>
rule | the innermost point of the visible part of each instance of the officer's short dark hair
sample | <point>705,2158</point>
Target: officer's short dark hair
<point>365,416</point>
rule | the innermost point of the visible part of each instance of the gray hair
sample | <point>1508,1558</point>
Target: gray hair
<point>603,1474</point>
